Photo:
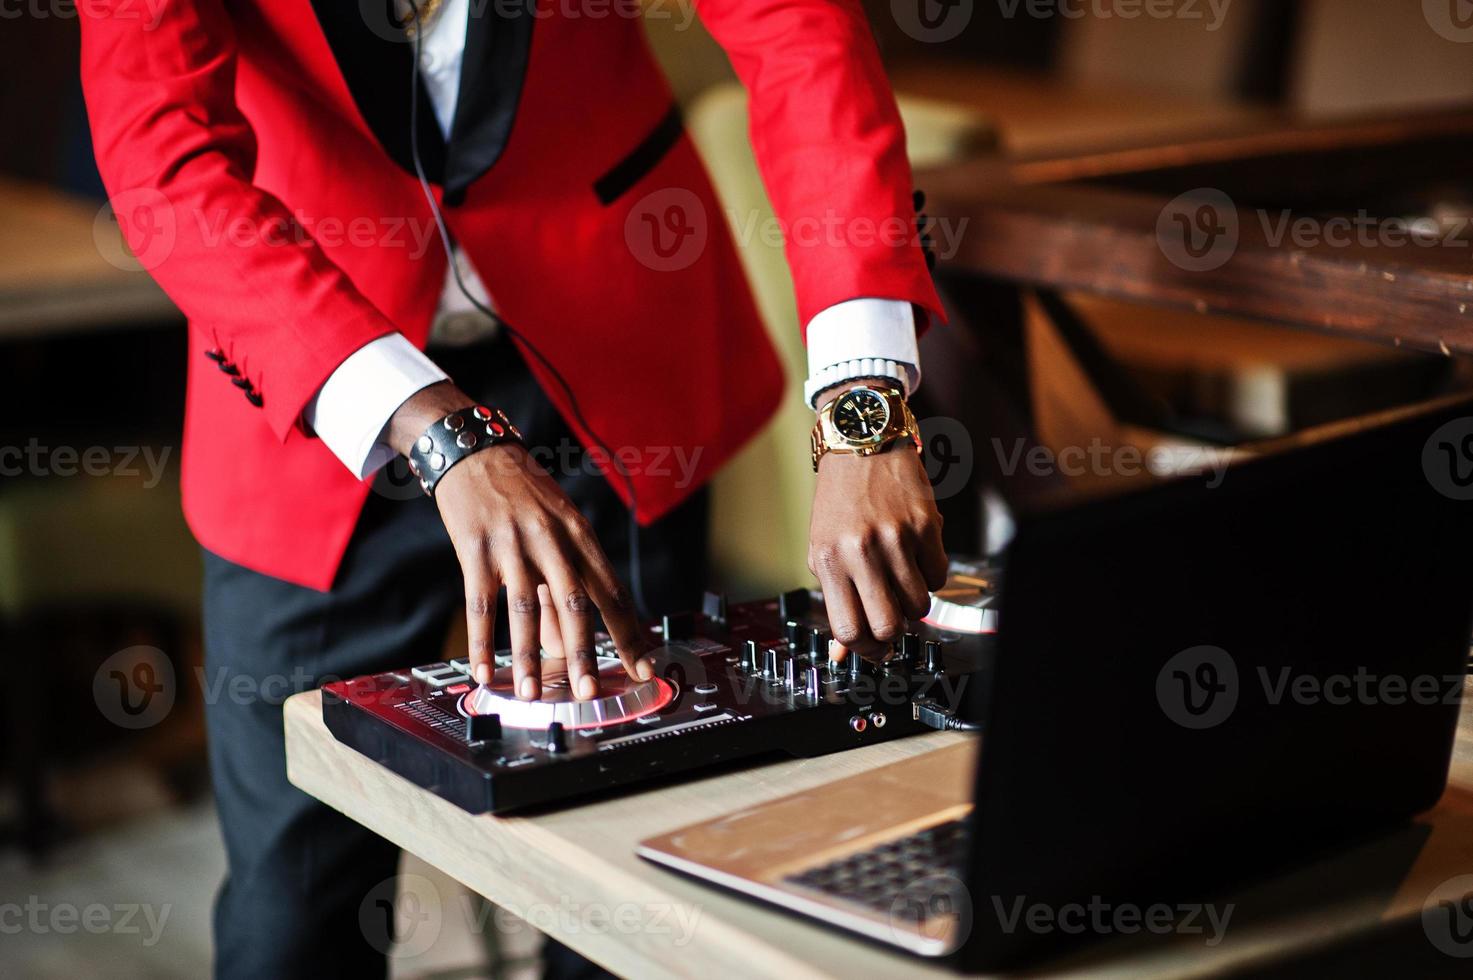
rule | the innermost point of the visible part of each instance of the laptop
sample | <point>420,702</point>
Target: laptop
<point>1195,684</point>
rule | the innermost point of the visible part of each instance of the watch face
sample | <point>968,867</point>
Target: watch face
<point>861,415</point>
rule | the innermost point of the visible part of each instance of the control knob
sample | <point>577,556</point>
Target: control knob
<point>812,683</point>
<point>752,657</point>
<point>770,667</point>
<point>482,728</point>
<point>910,650</point>
<point>713,607</point>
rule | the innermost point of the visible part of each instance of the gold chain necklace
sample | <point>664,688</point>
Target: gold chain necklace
<point>422,16</point>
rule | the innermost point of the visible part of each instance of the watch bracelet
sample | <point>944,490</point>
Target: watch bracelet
<point>451,438</point>
<point>818,447</point>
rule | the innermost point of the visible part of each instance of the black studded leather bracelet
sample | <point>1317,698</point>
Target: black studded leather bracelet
<point>461,433</point>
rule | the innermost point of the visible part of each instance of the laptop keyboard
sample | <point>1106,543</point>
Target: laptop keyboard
<point>876,878</point>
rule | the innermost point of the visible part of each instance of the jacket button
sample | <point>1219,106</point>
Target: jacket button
<point>229,368</point>
<point>244,384</point>
<point>217,356</point>
<point>254,398</point>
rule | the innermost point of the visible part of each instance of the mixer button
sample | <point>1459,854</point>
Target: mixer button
<point>770,666</point>
<point>910,649</point>
<point>482,728</point>
<point>704,689</point>
<point>705,706</point>
<point>649,719</point>
<point>714,607</point>
<point>812,683</point>
<point>678,626</point>
<point>752,657</point>
<point>447,679</point>
<point>934,662</point>
<point>791,605</point>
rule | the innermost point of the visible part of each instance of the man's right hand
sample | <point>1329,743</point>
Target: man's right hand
<point>512,525</point>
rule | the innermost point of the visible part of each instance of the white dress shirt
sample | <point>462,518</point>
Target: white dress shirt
<point>352,408</point>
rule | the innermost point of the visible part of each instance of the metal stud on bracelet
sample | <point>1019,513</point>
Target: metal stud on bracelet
<point>451,439</point>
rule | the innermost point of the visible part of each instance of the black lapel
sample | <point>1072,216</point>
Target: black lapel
<point>376,59</point>
<point>498,44</point>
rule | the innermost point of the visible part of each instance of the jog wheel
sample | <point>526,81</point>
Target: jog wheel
<point>620,698</point>
<point>968,602</point>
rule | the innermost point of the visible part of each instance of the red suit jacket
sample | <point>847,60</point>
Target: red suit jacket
<point>256,152</point>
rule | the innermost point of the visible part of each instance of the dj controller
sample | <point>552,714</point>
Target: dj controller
<point>731,682</point>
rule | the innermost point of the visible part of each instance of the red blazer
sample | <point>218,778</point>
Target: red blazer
<point>256,154</point>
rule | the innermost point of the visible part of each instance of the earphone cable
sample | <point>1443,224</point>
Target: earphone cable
<point>636,584</point>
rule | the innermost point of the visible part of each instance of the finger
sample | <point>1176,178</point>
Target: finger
<point>521,610</point>
<point>909,585</point>
<point>883,620</point>
<point>837,651</point>
<point>614,603</point>
<point>550,631</point>
<point>481,586</point>
<point>846,617</point>
<point>575,618</point>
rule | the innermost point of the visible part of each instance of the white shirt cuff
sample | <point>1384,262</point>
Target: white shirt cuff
<point>857,329</point>
<point>354,405</point>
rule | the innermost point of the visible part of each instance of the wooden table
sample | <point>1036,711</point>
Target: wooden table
<point>582,860</point>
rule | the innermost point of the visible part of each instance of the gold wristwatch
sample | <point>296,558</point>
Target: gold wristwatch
<point>864,421</point>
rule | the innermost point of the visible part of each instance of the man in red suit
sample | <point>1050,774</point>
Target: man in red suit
<point>268,161</point>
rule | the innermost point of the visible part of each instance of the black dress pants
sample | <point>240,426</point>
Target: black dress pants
<point>305,886</point>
